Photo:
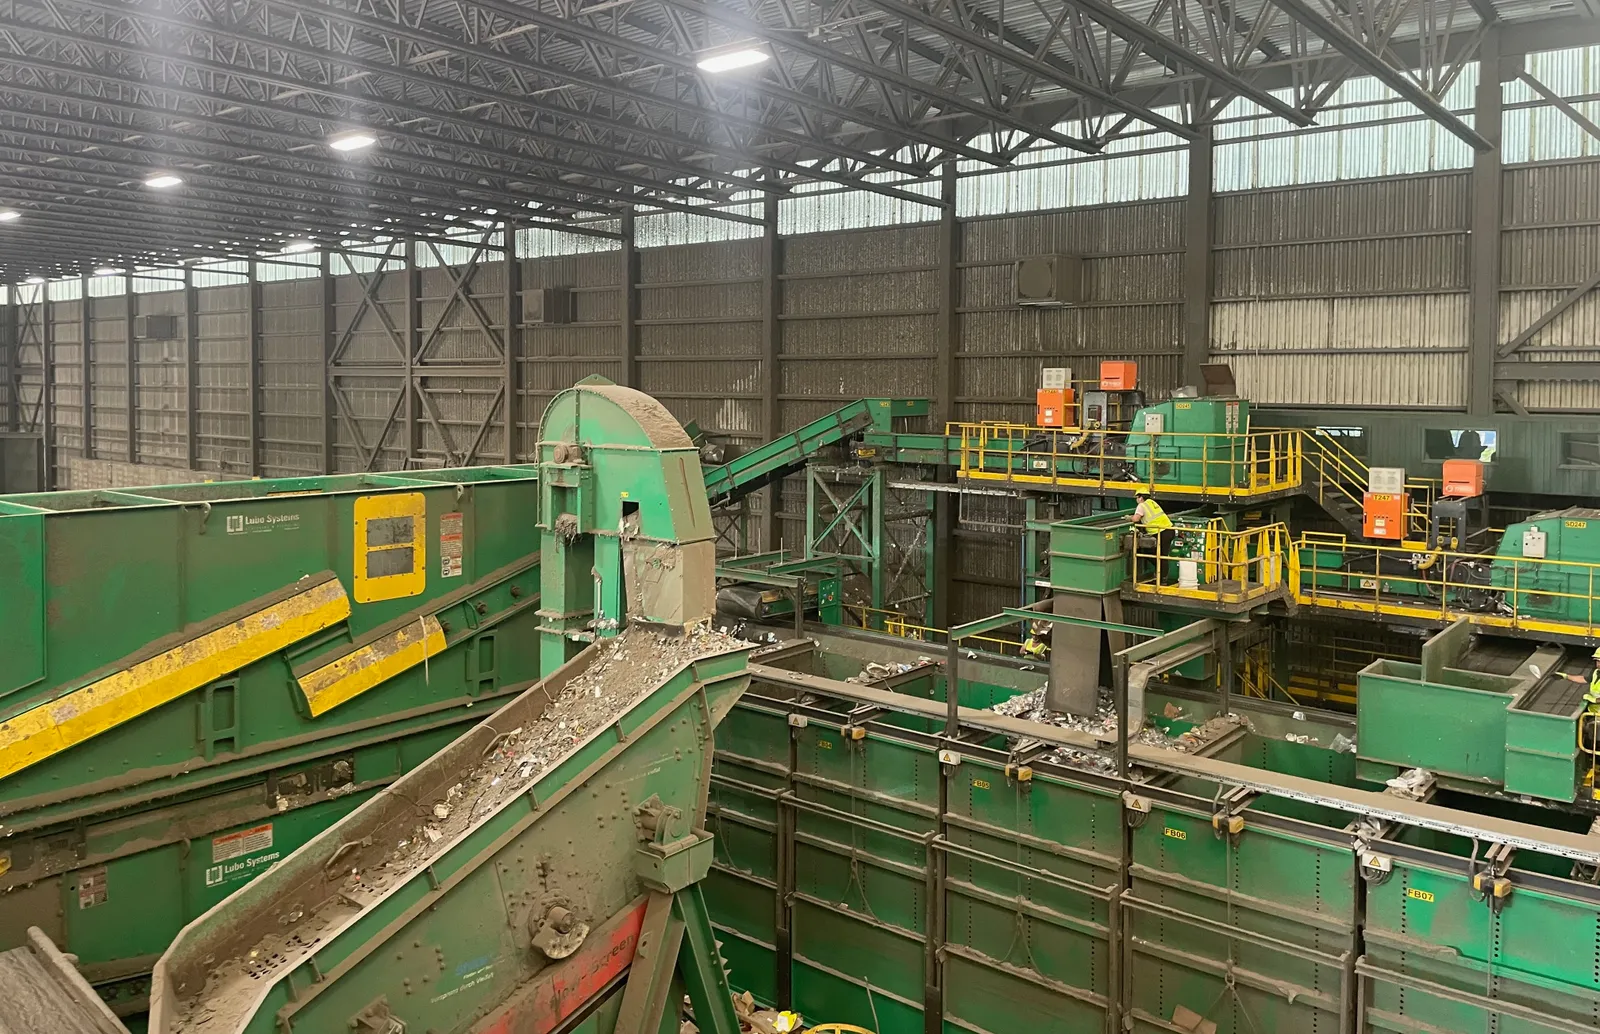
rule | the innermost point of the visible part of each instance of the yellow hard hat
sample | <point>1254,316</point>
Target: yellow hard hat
<point>1596,654</point>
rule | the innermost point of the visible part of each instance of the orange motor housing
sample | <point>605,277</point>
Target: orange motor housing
<point>1463,479</point>
<point>1054,407</point>
<point>1383,515</point>
<point>1118,376</point>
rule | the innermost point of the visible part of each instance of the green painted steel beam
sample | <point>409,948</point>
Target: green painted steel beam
<point>755,577</point>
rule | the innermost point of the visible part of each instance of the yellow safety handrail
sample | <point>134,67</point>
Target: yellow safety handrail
<point>897,624</point>
<point>1229,566</point>
<point>1207,465</point>
<point>1519,587</point>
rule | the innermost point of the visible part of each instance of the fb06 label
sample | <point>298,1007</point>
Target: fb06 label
<point>1176,834</point>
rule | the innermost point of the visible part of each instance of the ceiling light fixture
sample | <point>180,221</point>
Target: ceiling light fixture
<point>296,247</point>
<point>9,215</point>
<point>34,280</point>
<point>163,181</point>
<point>354,140</point>
<point>731,60</point>
<point>107,271</point>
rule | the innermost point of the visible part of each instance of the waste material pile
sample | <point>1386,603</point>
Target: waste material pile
<point>1103,726</point>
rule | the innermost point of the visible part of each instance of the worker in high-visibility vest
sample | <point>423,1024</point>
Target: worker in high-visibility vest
<point>1149,515</point>
<point>1152,521</point>
<point>1591,696</point>
<point>1037,645</point>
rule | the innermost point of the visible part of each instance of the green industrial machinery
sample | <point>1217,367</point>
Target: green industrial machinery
<point>1167,444</point>
<point>590,872</point>
<point>198,678</point>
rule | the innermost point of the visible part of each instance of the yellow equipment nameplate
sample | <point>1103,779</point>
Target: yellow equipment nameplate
<point>358,671</point>
<point>50,728</point>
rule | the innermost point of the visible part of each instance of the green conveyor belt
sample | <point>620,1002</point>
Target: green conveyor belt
<point>783,456</point>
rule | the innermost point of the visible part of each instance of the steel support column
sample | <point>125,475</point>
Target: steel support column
<point>771,346</point>
<point>1484,324</point>
<point>942,541</point>
<point>252,377</point>
<point>513,335</point>
<point>191,369</point>
<point>130,359</point>
<point>629,302</point>
<point>1198,224</point>
<point>47,388</point>
<point>330,341</point>
<point>85,358</point>
<point>11,342</point>
<point>411,335</point>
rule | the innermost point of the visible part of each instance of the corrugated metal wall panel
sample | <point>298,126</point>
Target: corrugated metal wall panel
<point>108,361</point>
<point>1408,265</point>
<point>698,301</point>
<point>1343,211</point>
<point>554,357</point>
<point>291,377</point>
<point>160,395</point>
<point>1407,350</point>
<point>222,432</point>
<point>66,354</point>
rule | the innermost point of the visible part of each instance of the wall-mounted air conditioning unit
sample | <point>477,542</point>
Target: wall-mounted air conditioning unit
<point>1048,280</point>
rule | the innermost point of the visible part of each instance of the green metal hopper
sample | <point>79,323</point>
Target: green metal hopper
<point>511,882</point>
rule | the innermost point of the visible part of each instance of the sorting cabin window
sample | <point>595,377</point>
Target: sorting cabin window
<point>1440,443</point>
<point>1581,449</point>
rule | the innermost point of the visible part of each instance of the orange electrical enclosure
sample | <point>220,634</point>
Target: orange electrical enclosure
<point>1383,515</point>
<point>1119,376</point>
<point>1054,407</point>
<point>1463,479</point>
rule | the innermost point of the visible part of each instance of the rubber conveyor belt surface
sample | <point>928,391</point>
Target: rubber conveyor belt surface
<point>40,993</point>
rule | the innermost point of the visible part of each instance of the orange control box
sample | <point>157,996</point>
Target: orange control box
<point>1383,515</point>
<point>1054,407</point>
<point>1463,479</point>
<point>1118,376</point>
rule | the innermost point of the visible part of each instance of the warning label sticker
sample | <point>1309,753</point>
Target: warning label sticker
<point>450,525</point>
<point>92,887</point>
<point>246,841</point>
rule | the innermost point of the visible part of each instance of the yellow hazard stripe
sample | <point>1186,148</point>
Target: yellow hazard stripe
<point>50,728</point>
<point>358,671</point>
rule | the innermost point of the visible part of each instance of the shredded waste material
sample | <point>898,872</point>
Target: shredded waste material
<point>1103,726</point>
<point>626,669</point>
<point>876,671</point>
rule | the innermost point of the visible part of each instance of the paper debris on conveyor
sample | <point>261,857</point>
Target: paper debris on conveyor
<point>1030,707</point>
<point>626,669</point>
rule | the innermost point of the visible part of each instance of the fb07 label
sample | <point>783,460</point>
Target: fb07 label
<point>1419,895</point>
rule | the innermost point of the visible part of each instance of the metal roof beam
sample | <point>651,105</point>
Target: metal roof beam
<point>386,161</point>
<point>406,112</point>
<point>1043,70</point>
<point>946,100</point>
<point>213,28</point>
<point>526,64</point>
<point>1347,44</point>
<point>1129,27</point>
<point>575,27</point>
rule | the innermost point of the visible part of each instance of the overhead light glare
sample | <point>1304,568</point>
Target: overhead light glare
<point>163,181</point>
<point>731,60</point>
<point>9,215</point>
<point>34,280</point>
<point>107,271</point>
<point>295,247</point>
<point>352,141</point>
